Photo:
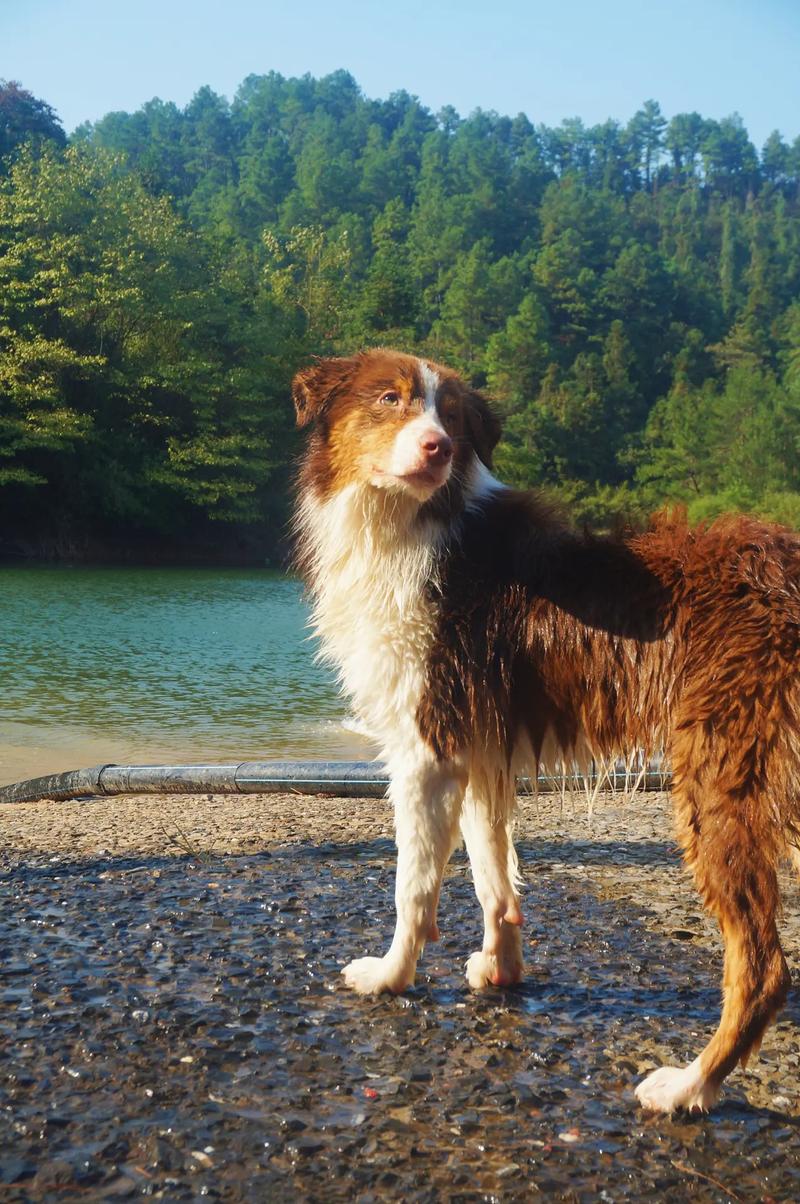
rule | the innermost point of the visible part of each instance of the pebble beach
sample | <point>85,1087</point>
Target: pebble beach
<point>174,1024</point>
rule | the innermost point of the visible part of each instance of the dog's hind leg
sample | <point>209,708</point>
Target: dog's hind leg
<point>427,796</point>
<point>488,837</point>
<point>729,841</point>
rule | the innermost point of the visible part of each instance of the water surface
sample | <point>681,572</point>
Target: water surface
<point>148,665</point>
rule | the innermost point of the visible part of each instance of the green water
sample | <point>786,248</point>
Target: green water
<point>152,665</point>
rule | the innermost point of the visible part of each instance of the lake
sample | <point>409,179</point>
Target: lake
<point>137,666</point>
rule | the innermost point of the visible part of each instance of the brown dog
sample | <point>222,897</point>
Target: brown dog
<point>479,637</point>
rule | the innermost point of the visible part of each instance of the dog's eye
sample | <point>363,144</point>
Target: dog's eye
<point>389,398</point>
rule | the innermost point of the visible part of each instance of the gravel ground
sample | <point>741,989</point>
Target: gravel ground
<point>174,1024</point>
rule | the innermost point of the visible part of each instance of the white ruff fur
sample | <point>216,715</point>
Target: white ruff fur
<point>371,564</point>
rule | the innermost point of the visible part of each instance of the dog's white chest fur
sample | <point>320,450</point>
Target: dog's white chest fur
<point>372,610</point>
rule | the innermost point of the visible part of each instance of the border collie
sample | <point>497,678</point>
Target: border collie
<point>478,637</point>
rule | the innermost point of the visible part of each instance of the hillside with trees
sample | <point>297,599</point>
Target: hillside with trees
<point>629,294</point>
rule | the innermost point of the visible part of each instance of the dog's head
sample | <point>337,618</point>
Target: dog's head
<point>393,422</point>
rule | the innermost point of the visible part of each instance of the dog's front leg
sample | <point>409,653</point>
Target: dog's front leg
<point>487,835</point>
<point>427,798</point>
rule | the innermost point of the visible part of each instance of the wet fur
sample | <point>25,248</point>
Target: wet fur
<point>478,636</point>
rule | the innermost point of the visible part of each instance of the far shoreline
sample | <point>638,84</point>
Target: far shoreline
<point>264,546</point>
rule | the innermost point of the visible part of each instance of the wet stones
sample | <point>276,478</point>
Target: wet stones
<point>182,1032</point>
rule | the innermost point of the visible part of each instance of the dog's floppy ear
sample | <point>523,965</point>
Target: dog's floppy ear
<point>313,387</point>
<point>483,425</point>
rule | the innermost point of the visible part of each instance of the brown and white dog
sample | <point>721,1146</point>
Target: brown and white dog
<point>478,637</point>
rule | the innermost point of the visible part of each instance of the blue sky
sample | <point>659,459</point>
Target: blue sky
<point>563,58</point>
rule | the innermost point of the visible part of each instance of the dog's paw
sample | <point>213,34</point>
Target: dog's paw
<point>374,975</point>
<point>489,970</point>
<point>502,968</point>
<point>677,1087</point>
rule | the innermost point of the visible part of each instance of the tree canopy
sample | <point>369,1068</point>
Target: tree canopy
<point>629,294</point>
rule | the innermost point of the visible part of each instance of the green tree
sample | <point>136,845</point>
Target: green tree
<point>307,274</point>
<point>117,389</point>
<point>729,158</point>
<point>775,159</point>
<point>388,308</point>
<point>732,259</point>
<point>683,139</point>
<point>23,117</point>
<point>473,308</point>
<point>646,134</point>
<point>517,356</point>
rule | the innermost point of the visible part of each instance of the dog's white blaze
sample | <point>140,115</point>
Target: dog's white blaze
<point>430,384</point>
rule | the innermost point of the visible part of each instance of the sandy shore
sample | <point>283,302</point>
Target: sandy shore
<point>219,824</point>
<point>165,825</point>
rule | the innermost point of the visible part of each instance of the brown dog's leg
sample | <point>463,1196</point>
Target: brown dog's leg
<point>729,841</point>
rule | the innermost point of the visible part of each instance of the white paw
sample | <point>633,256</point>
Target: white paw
<point>674,1087</point>
<point>489,970</point>
<point>372,975</point>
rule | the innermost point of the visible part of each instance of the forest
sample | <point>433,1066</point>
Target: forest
<point>627,293</point>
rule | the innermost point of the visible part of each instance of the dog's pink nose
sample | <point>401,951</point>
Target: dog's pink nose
<point>437,448</point>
